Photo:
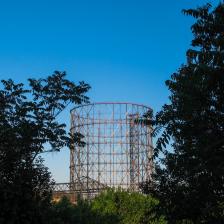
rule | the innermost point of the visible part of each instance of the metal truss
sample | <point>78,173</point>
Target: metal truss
<point>118,149</point>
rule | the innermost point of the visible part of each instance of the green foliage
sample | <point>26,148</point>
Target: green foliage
<point>110,207</point>
<point>123,207</point>
<point>189,181</point>
<point>64,212</point>
<point>27,125</point>
<point>105,209</point>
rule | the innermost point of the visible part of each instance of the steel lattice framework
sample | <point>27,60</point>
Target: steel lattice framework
<point>118,149</point>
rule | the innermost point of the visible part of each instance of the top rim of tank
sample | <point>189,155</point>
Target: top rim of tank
<point>111,103</point>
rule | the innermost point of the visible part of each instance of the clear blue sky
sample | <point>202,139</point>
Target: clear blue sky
<point>125,49</point>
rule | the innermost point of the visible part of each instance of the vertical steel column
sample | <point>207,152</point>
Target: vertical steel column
<point>98,150</point>
<point>72,151</point>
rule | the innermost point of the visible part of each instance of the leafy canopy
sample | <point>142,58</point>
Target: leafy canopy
<point>189,179</point>
<point>110,207</point>
<point>28,125</point>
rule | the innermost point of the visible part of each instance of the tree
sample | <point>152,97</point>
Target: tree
<point>189,179</point>
<point>28,127</point>
<point>64,212</point>
<point>109,207</point>
<point>123,207</point>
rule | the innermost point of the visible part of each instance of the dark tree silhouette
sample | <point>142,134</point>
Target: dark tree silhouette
<point>189,180</point>
<point>28,126</point>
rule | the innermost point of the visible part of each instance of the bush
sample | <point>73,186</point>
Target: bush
<point>110,207</point>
